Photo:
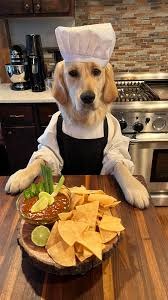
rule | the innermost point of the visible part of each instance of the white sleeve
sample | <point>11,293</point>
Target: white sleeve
<point>48,149</point>
<point>116,149</point>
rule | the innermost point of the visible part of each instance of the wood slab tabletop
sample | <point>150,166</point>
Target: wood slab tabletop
<point>137,269</point>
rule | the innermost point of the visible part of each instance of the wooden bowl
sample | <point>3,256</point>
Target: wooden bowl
<point>40,258</point>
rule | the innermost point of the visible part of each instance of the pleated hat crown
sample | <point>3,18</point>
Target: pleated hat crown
<point>86,43</point>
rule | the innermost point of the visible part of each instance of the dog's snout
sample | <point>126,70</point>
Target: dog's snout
<point>87,97</point>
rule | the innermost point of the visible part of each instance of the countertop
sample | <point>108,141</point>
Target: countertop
<point>9,96</point>
<point>137,268</point>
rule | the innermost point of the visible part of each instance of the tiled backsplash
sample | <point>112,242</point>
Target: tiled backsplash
<point>141,28</point>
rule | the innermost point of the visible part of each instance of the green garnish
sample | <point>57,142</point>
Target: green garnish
<point>27,193</point>
<point>59,186</point>
<point>33,189</point>
<point>40,187</point>
<point>48,179</point>
<point>47,185</point>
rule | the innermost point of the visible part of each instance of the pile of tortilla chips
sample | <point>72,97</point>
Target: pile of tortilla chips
<point>85,230</point>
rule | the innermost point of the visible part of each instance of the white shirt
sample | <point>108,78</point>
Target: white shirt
<point>115,151</point>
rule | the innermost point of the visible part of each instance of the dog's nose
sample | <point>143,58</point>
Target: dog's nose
<point>87,97</point>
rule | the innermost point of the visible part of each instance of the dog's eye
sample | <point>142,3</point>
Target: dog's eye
<point>96,72</point>
<point>73,73</point>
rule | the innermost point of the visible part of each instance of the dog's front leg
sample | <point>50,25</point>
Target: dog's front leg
<point>135,193</point>
<point>23,178</point>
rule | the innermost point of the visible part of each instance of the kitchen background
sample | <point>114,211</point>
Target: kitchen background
<point>140,62</point>
<point>141,28</point>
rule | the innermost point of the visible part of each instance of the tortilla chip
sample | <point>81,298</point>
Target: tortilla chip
<point>65,215</point>
<point>84,254</point>
<point>92,241</point>
<point>62,254</point>
<point>114,204</point>
<point>78,248</point>
<point>78,190</point>
<point>88,213</point>
<point>54,236</point>
<point>111,223</point>
<point>77,199</point>
<point>70,231</point>
<point>82,190</point>
<point>107,235</point>
<point>104,211</point>
<point>103,199</point>
<point>85,230</point>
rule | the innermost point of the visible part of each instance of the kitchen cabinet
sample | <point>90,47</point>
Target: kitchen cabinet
<point>21,125</point>
<point>44,114</point>
<point>20,144</point>
<point>16,7</point>
<point>19,8</point>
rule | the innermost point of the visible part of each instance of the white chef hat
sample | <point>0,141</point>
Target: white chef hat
<point>86,43</point>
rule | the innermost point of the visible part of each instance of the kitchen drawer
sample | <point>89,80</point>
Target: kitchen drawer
<point>45,112</point>
<point>17,114</point>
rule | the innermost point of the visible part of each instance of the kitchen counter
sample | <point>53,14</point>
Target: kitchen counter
<point>137,268</point>
<point>9,96</point>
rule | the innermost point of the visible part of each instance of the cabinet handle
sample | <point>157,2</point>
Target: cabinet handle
<point>9,132</point>
<point>26,6</point>
<point>38,6</point>
<point>16,116</point>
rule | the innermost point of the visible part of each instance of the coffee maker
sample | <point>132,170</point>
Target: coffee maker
<point>18,70</point>
<point>36,62</point>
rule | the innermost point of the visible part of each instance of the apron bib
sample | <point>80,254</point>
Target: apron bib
<point>81,156</point>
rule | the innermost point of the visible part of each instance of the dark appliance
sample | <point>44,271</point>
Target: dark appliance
<point>36,62</point>
<point>18,70</point>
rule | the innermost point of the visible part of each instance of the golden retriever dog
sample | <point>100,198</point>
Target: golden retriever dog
<point>84,93</point>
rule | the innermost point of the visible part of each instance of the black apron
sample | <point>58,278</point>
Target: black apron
<point>81,156</point>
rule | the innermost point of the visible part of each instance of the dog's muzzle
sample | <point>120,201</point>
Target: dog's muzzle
<point>87,97</point>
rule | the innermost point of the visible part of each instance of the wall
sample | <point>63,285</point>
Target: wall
<point>45,26</point>
<point>4,50</point>
<point>141,29</point>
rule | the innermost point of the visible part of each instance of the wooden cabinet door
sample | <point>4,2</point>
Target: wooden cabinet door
<point>20,144</point>
<point>59,7</point>
<point>45,112</point>
<point>15,7</point>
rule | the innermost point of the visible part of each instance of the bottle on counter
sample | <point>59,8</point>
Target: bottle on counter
<point>36,62</point>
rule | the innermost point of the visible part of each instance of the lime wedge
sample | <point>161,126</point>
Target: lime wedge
<point>39,205</point>
<point>40,235</point>
<point>46,195</point>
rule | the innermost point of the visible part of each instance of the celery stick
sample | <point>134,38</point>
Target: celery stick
<point>59,186</point>
<point>44,174</point>
<point>50,181</point>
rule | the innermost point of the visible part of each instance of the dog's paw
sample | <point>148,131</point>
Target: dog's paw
<point>136,194</point>
<point>18,181</point>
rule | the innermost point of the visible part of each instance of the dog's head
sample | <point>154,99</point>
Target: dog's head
<point>85,87</point>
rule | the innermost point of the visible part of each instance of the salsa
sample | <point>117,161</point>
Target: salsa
<point>61,204</point>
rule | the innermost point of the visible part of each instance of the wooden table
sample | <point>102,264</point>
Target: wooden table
<point>137,269</point>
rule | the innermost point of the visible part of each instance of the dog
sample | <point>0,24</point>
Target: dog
<point>84,93</point>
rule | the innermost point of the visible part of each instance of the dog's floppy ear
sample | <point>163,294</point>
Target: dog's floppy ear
<point>110,89</point>
<point>59,91</point>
